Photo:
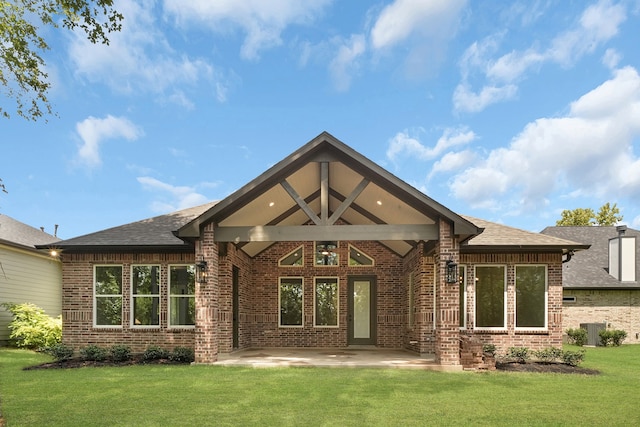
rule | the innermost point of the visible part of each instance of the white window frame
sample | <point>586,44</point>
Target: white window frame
<point>463,285</point>
<point>546,299</point>
<point>169,295</point>
<point>337,325</point>
<point>95,297</point>
<point>134,296</point>
<point>366,255</point>
<point>280,325</point>
<point>299,248</point>
<point>475,299</point>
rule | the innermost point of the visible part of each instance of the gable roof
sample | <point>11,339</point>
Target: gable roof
<point>589,269</point>
<point>18,234</point>
<point>156,233</point>
<point>372,195</point>
<point>501,237</point>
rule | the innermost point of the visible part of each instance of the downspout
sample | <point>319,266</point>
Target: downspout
<point>569,255</point>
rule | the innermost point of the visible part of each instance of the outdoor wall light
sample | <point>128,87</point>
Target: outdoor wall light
<point>201,267</point>
<point>452,271</point>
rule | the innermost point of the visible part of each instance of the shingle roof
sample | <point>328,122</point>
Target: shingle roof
<point>589,269</point>
<point>502,236</point>
<point>152,232</point>
<point>17,233</point>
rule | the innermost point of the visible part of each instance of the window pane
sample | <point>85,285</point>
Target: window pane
<point>183,311</point>
<point>291,302</point>
<point>490,297</point>
<point>326,300</point>
<point>182,289</point>
<point>145,279</point>
<point>293,259</point>
<point>357,257</point>
<point>146,311</point>
<point>530,296</point>
<point>109,311</point>
<point>108,280</point>
<point>183,280</point>
<point>326,253</point>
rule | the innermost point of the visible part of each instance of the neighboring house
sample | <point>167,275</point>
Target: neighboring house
<point>26,273</point>
<point>324,249</point>
<point>602,284</point>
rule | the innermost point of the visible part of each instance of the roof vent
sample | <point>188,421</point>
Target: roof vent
<point>622,256</point>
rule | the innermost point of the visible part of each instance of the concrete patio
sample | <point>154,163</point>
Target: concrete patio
<point>350,357</point>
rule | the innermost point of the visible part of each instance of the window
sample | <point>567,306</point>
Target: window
<point>358,258</point>
<point>145,295</point>
<point>291,301</point>
<point>294,258</point>
<point>326,253</point>
<point>490,298</point>
<point>182,301</point>
<point>326,301</point>
<point>531,296</point>
<point>462,283</point>
<point>107,295</point>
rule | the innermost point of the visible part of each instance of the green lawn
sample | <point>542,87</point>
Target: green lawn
<point>213,395</point>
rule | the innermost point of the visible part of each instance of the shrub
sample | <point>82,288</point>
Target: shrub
<point>577,336</point>
<point>155,353</point>
<point>60,351</point>
<point>489,348</point>
<point>94,353</point>
<point>612,337</point>
<point>549,354</point>
<point>182,355</point>
<point>520,354</point>
<point>573,358</point>
<point>120,353</point>
<point>32,328</point>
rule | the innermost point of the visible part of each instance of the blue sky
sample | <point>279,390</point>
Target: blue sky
<point>506,111</point>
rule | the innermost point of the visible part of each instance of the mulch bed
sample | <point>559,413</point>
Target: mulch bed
<point>81,363</point>
<point>545,367</point>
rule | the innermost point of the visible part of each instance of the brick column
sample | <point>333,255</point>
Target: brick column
<point>447,294</point>
<point>206,336</point>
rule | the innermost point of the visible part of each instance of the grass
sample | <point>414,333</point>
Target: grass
<point>215,395</point>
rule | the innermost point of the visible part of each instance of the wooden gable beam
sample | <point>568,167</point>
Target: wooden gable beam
<point>300,201</point>
<point>266,233</point>
<point>348,201</point>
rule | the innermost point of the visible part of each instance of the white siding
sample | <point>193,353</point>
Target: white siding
<point>28,277</point>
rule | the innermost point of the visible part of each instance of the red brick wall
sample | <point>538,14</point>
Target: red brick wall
<point>77,303</point>
<point>263,319</point>
<point>510,337</point>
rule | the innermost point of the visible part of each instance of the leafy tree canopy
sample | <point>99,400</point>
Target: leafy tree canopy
<point>607,215</point>
<point>22,69</point>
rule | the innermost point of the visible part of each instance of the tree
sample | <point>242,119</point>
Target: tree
<point>22,69</point>
<point>579,216</point>
<point>607,215</point>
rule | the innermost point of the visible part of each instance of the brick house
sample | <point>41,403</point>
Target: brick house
<point>602,284</point>
<point>324,249</point>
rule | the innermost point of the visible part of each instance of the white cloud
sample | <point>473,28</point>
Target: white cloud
<point>403,144</point>
<point>179,197</point>
<point>262,21</point>
<point>453,161</point>
<point>404,18</point>
<point>611,58</point>
<point>598,24</point>
<point>140,59</point>
<point>94,131</point>
<point>587,152</point>
<point>345,63</point>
